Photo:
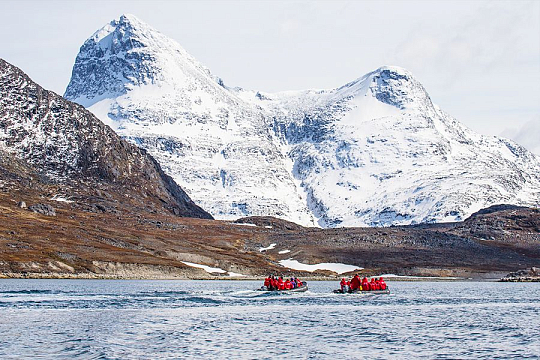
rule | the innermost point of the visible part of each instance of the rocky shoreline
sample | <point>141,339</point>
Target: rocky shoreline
<point>531,275</point>
<point>90,276</point>
<point>117,271</point>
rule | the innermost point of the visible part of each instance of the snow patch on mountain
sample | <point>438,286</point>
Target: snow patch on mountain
<point>208,269</point>
<point>335,267</point>
<point>269,247</point>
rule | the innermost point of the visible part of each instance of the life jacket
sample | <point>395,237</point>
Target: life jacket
<point>372,285</point>
<point>288,285</point>
<point>383,284</point>
<point>281,284</point>
<point>377,285</point>
<point>275,283</point>
<point>267,282</point>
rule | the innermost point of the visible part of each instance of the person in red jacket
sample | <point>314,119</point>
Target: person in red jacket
<point>355,283</point>
<point>365,284</point>
<point>372,284</point>
<point>281,284</point>
<point>288,285</point>
<point>298,282</point>
<point>383,284</point>
<point>268,282</point>
<point>343,284</point>
<point>275,284</point>
<point>377,284</point>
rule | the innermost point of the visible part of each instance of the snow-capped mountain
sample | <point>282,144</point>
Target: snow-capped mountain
<point>375,151</point>
<point>215,145</point>
<point>66,144</point>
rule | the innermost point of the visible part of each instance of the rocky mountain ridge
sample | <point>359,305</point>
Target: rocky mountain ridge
<point>374,152</point>
<point>61,142</point>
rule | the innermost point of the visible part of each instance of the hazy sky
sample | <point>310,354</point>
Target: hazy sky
<point>478,60</point>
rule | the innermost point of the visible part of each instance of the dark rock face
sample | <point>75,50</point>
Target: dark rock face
<point>397,89</point>
<point>43,209</point>
<point>270,223</point>
<point>496,208</point>
<point>67,143</point>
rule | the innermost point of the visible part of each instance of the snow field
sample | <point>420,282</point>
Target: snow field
<point>335,267</point>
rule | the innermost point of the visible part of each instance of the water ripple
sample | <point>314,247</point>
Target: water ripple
<point>220,319</point>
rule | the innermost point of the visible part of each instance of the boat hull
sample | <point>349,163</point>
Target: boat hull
<point>368,292</point>
<point>302,288</point>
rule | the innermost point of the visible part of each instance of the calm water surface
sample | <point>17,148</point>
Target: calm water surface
<point>227,319</point>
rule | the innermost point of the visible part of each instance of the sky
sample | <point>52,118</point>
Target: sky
<point>478,60</point>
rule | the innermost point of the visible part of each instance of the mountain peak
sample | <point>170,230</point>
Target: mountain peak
<point>392,85</point>
<point>127,27</point>
<point>130,19</point>
<point>114,56</point>
<point>123,54</point>
<point>398,87</point>
<point>393,70</point>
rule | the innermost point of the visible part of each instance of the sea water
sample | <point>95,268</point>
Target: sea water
<point>108,319</point>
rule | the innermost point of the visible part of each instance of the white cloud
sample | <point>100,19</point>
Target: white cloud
<point>489,37</point>
<point>289,27</point>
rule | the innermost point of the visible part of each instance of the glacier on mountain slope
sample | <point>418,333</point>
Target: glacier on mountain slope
<point>373,152</point>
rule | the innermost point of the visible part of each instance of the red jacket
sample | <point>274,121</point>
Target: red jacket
<point>365,285</point>
<point>343,282</point>
<point>355,283</point>
<point>288,285</point>
<point>275,283</point>
<point>372,285</point>
<point>267,282</point>
<point>383,284</point>
<point>281,284</point>
<point>298,283</point>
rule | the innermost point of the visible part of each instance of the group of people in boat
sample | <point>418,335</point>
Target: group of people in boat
<point>357,284</point>
<point>273,283</point>
<point>277,283</point>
